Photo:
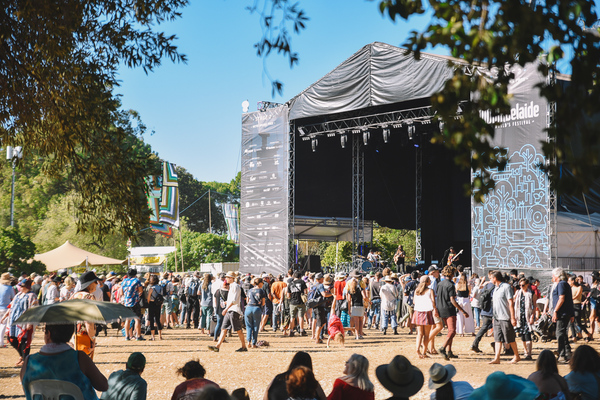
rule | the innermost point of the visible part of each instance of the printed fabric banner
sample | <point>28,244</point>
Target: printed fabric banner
<point>510,229</point>
<point>264,191</point>
<point>169,205</point>
<point>231,213</point>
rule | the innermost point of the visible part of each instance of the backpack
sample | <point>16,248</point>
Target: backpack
<point>485,298</point>
<point>314,299</point>
<point>159,298</point>
<point>192,290</point>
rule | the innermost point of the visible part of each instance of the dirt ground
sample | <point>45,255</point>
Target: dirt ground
<point>254,370</point>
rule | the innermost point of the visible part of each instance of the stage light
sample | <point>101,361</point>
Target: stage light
<point>411,132</point>
<point>386,135</point>
<point>441,126</point>
<point>314,143</point>
<point>245,106</point>
<point>343,140</point>
<point>301,130</point>
<point>366,137</point>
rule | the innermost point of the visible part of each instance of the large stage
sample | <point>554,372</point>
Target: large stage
<point>355,145</point>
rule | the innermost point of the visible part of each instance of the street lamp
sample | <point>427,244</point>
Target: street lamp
<point>13,154</point>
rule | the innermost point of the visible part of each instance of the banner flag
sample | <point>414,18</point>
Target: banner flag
<point>231,213</point>
<point>510,229</point>
<point>169,205</point>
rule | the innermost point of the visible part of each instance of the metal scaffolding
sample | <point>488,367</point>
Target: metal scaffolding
<point>358,192</point>
<point>552,196</point>
<point>418,197</point>
<point>292,195</point>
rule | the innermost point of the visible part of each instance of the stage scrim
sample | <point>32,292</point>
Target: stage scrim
<point>264,191</point>
<point>511,229</point>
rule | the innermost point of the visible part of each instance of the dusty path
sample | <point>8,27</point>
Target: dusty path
<point>254,370</point>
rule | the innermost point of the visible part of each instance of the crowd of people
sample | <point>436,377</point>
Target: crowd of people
<point>336,306</point>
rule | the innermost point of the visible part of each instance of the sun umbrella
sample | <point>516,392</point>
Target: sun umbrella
<point>73,311</point>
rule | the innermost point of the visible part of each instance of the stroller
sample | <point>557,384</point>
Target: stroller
<point>544,328</point>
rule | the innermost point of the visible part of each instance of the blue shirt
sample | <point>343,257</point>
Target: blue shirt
<point>7,293</point>
<point>131,295</point>
<point>125,385</point>
<point>255,296</point>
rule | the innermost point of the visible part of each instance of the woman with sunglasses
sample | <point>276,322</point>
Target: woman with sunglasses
<point>525,302</point>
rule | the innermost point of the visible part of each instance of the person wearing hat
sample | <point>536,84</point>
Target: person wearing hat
<point>20,336</point>
<point>52,293</point>
<point>7,294</point>
<point>232,314</point>
<point>499,385</point>
<point>323,286</point>
<point>401,378</point>
<point>128,384</point>
<point>338,292</point>
<point>86,332</point>
<point>440,380</point>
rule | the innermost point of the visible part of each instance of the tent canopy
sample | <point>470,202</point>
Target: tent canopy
<point>68,256</point>
<point>578,235</point>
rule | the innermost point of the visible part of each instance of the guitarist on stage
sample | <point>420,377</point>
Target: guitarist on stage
<point>399,259</point>
<point>450,257</point>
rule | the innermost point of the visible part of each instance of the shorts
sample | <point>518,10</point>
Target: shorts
<point>232,320</point>
<point>358,311</point>
<point>167,306</point>
<point>297,311</point>
<point>137,310</point>
<point>320,315</point>
<point>592,303</point>
<point>268,308</point>
<point>423,318</point>
<point>504,332</point>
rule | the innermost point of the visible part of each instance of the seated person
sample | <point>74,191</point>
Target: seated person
<point>584,377</point>
<point>445,388</point>
<point>57,360</point>
<point>546,376</point>
<point>193,372</point>
<point>127,384</point>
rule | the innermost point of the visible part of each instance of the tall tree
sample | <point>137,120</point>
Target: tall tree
<point>15,250</point>
<point>58,67</point>
<point>494,34</point>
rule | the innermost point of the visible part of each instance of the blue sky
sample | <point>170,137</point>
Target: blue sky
<point>195,108</point>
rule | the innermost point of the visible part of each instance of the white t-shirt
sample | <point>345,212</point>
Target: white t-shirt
<point>234,297</point>
<point>389,296</point>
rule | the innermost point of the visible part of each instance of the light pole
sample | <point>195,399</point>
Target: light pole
<point>13,154</point>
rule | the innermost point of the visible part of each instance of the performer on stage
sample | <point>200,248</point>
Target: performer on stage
<point>399,259</point>
<point>450,257</point>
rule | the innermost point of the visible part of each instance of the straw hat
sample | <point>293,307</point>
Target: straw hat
<point>5,278</point>
<point>400,377</point>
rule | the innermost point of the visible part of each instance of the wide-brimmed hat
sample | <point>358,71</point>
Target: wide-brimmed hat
<point>400,377</point>
<point>57,279</point>
<point>388,278</point>
<point>499,385</point>
<point>6,278</point>
<point>230,274</point>
<point>340,275</point>
<point>355,274</point>
<point>87,278</point>
<point>319,276</point>
<point>439,375</point>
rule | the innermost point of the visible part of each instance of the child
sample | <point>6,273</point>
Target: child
<point>335,329</point>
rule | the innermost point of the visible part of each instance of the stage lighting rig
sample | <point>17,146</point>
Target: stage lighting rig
<point>411,131</point>
<point>314,143</point>
<point>302,131</point>
<point>366,136</point>
<point>343,139</point>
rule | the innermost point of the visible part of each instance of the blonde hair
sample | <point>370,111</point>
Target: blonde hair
<point>352,286</point>
<point>423,286</point>
<point>339,338</point>
<point>69,282</point>
<point>358,371</point>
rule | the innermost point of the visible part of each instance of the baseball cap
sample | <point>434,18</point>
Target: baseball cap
<point>136,361</point>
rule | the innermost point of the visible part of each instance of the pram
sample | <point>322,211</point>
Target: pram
<point>544,328</point>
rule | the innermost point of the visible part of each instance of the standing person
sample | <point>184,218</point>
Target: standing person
<point>355,296</point>
<point>577,326</point>
<point>20,336</point>
<point>389,297</point>
<point>355,384</point>
<point>130,291</point>
<point>277,296</point>
<point>256,300</point>
<point>475,302</point>
<point>7,294</point>
<point>375,298</point>
<point>167,315</point>
<point>524,314</point>
<point>295,290</point>
<point>155,300</point>
<point>232,314</point>
<point>464,324</point>
<point>338,292</point>
<point>128,384</point>
<point>193,304</point>
<point>434,276</point>
<point>562,301</point>
<point>323,288</point>
<point>52,292</point>
<point>487,313</point>
<point>66,292</point>
<point>221,302</point>
<point>267,309</point>
<point>425,309</point>
<point>399,257</point>
<point>206,303</point>
<point>504,318</point>
<point>447,308</point>
<point>85,336</point>
<point>409,294</point>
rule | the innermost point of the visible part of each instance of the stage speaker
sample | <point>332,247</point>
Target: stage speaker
<point>313,263</point>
